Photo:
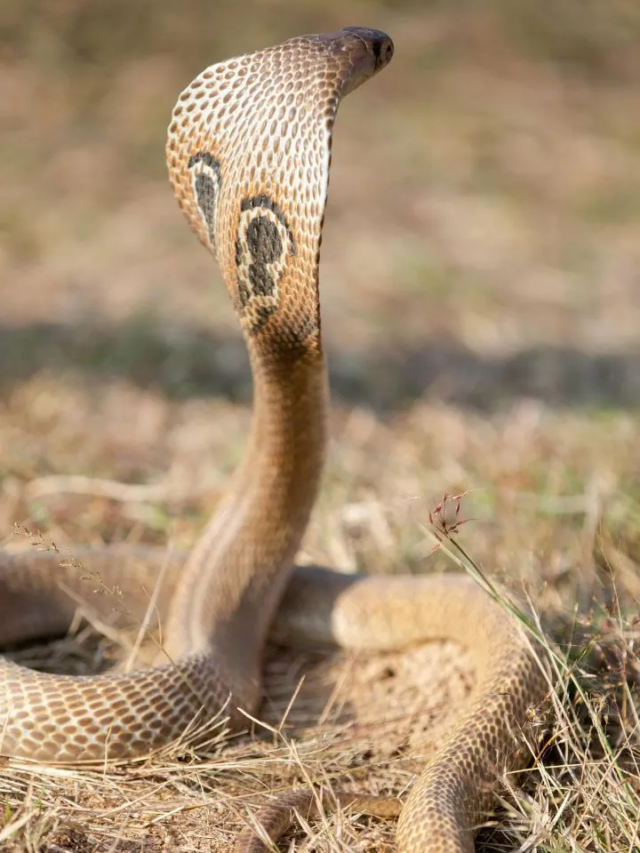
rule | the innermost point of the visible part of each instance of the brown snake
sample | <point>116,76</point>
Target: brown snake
<point>248,154</point>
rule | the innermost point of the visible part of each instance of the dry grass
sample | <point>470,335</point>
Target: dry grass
<point>481,312</point>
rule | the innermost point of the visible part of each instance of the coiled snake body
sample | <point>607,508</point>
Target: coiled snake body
<point>248,154</point>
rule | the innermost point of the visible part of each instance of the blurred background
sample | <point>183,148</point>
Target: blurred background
<point>481,241</point>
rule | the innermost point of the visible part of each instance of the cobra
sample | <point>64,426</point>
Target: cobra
<point>248,152</point>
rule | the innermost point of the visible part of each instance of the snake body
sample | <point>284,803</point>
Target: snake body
<point>248,152</point>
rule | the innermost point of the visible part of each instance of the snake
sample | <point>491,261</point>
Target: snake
<point>248,154</point>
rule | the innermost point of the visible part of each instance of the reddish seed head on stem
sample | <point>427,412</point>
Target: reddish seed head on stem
<point>445,519</point>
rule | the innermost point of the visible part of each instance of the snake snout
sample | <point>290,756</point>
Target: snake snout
<point>378,45</point>
<point>359,52</point>
<point>369,51</point>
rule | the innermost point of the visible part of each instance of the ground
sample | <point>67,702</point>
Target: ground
<point>480,310</point>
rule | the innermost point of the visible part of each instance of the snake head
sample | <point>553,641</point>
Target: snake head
<point>367,51</point>
<point>249,150</point>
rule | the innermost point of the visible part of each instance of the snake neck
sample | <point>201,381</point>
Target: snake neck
<point>236,573</point>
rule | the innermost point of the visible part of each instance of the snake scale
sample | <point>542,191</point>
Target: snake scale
<point>248,152</point>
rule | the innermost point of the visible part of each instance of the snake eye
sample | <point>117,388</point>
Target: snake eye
<point>386,54</point>
<point>383,54</point>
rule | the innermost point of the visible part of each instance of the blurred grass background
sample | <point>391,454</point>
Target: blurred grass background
<point>482,231</point>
